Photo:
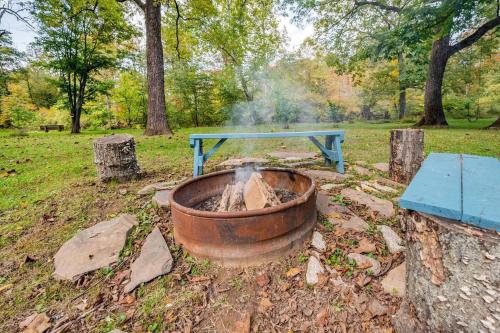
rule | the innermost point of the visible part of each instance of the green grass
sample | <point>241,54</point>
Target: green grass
<point>39,166</point>
<point>45,163</point>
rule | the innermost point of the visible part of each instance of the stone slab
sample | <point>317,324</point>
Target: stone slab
<point>155,260</point>
<point>394,282</point>
<point>93,248</point>
<point>383,207</point>
<point>161,199</point>
<point>326,175</point>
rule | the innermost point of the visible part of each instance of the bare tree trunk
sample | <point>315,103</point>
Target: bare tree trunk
<point>433,98</point>
<point>76,113</point>
<point>157,112</point>
<point>402,87</point>
<point>451,277</point>
<point>366,112</point>
<point>407,154</point>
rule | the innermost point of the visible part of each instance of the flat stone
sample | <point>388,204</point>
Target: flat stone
<point>326,175</point>
<point>394,282</point>
<point>326,207</point>
<point>314,268</point>
<point>155,260</point>
<point>365,186</point>
<point>381,188</point>
<point>383,207</point>
<point>292,156</point>
<point>235,162</point>
<point>160,199</point>
<point>300,164</point>
<point>355,223</point>
<point>365,262</point>
<point>361,170</point>
<point>116,331</point>
<point>36,323</point>
<point>384,167</point>
<point>152,188</point>
<point>330,186</point>
<point>93,248</point>
<point>391,238</point>
<point>318,242</point>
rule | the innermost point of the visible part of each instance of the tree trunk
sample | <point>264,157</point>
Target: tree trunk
<point>114,157</point>
<point>433,99</point>
<point>157,114</point>
<point>75,119</point>
<point>495,125</point>
<point>402,87</point>
<point>407,154</point>
<point>451,277</point>
<point>366,112</point>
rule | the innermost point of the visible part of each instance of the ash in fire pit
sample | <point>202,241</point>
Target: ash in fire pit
<point>250,191</point>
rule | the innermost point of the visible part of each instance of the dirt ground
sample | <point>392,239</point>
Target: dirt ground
<point>199,296</point>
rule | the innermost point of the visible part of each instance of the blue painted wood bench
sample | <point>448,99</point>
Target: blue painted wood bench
<point>332,150</point>
<point>460,187</point>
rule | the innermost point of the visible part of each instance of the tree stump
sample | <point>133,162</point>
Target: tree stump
<point>114,157</point>
<point>452,278</point>
<point>407,154</point>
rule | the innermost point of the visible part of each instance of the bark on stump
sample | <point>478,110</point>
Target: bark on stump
<point>114,157</point>
<point>452,277</point>
<point>407,154</point>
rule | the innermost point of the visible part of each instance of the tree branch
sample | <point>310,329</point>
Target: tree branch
<point>379,5</point>
<point>177,30</point>
<point>472,38</point>
<point>139,3</point>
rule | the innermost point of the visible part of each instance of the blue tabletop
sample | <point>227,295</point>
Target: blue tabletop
<point>459,187</point>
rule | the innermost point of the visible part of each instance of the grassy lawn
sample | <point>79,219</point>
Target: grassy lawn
<point>48,191</point>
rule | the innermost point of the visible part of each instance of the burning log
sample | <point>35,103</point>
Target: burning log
<point>232,198</point>
<point>258,194</point>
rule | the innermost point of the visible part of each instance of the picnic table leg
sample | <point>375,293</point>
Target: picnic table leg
<point>329,146</point>
<point>340,158</point>
<point>198,158</point>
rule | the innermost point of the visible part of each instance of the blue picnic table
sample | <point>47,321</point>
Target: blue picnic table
<point>331,150</point>
<point>460,187</point>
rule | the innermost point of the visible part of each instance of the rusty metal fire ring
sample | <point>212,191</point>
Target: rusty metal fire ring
<point>246,237</point>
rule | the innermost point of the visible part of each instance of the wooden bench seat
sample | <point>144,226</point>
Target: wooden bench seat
<point>331,150</point>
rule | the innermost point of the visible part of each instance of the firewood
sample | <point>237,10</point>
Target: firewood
<point>258,194</point>
<point>232,198</point>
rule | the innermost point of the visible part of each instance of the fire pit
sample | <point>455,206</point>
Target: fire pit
<point>247,237</point>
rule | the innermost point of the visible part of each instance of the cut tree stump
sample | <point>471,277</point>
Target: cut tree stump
<point>452,279</point>
<point>407,154</point>
<point>114,157</point>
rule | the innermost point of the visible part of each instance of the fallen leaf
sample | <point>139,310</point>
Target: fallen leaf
<point>376,308</point>
<point>243,325</point>
<point>293,272</point>
<point>264,305</point>
<point>322,317</point>
<point>199,278</point>
<point>365,246</point>
<point>262,279</point>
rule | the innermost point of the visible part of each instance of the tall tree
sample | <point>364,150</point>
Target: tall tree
<point>79,38</point>
<point>157,123</point>
<point>419,23</point>
<point>453,25</point>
